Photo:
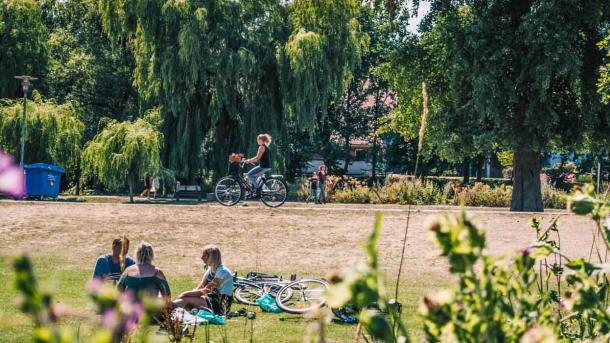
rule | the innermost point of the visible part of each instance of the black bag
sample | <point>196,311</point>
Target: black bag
<point>234,168</point>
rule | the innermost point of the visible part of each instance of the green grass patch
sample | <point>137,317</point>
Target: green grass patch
<point>68,286</point>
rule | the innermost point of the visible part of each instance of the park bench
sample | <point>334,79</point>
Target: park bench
<point>188,192</point>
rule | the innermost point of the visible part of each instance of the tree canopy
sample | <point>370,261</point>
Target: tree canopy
<point>224,71</point>
<point>520,75</point>
<point>22,43</point>
<point>84,67</point>
<point>54,132</point>
<point>520,78</point>
<point>122,152</point>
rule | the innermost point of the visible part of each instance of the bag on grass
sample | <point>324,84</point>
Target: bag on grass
<point>267,303</point>
<point>344,316</point>
<point>211,317</point>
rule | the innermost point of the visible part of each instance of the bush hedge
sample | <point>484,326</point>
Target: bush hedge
<point>399,189</point>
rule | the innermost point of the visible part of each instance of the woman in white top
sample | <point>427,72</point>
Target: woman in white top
<point>215,291</point>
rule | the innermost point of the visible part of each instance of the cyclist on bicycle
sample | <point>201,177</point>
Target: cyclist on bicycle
<point>264,161</point>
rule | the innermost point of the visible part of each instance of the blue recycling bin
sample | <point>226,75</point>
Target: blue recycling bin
<point>42,180</point>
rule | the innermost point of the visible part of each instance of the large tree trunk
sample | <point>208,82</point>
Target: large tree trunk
<point>480,169</point>
<point>78,176</point>
<point>130,182</point>
<point>466,171</point>
<point>527,194</point>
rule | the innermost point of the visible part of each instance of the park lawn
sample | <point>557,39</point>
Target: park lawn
<point>68,287</point>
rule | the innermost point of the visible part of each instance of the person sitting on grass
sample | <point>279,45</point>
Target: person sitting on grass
<point>108,266</point>
<point>143,278</point>
<point>215,291</point>
<point>313,189</point>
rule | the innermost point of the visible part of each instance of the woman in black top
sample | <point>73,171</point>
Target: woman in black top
<point>263,158</point>
<point>143,278</point>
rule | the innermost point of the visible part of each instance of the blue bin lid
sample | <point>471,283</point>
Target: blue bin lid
<point>44,166</point>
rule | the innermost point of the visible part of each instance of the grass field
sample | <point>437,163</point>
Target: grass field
<point>67,284</point>
<point>65,238</point>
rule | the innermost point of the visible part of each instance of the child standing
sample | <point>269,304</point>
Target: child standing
<point>313,189</point>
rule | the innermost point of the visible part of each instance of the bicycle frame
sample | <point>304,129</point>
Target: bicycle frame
<point>244,183</point>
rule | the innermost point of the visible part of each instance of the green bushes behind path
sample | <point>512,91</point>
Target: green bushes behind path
<point>400,190</point>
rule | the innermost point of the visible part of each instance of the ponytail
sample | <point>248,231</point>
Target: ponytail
<point>265,137</point>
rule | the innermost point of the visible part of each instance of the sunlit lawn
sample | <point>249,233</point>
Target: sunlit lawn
<point>68,287</point>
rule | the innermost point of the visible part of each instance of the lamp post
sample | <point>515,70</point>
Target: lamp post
<point>599,172</point>
<point>26,82</point>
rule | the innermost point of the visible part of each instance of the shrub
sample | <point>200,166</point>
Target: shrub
<point>553,197</point>
<point>357,195</point>
<point>423,193</point>
<point>483,195</point>
<point>393,192</point>
<point>401,189</point>
<point>298,190</point>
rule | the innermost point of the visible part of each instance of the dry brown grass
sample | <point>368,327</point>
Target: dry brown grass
<point>295,238</point>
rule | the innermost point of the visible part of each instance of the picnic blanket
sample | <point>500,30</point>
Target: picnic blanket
<point>202,317</point>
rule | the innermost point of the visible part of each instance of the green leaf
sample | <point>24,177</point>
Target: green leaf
<point>539,250</point>
<point>377,325</point>
<point>581,204</point>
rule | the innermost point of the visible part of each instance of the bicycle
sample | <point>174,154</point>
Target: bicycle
<point>293,296</point>
<point>254,285</point>
<point>302,296</point>
<point>233,188</point>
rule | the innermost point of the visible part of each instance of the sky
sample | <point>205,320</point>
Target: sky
<point>424,7</point>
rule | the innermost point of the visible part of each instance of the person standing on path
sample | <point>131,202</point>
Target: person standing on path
<point>147,185</point>
<point>155,187</point>
<point>313,189</point>
<point>322,171</point>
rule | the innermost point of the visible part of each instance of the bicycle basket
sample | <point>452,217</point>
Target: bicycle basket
<point>236,157</point>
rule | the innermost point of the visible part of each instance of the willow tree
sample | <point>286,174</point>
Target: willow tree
<point>122,153</point>
<point>532,70</point>
<point>53,133</point>
<point>324,48</point>
<point>223,71</point>
<point>22,43</point>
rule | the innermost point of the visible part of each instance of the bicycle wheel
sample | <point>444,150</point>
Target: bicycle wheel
<point>307,295</point>
<point>247,293</point>
<point>274,192</point>
<point>228,191</point>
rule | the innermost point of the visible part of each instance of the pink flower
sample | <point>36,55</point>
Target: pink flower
<point>12,178</point>
<point>109,319</point>
<point>95,285</point>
